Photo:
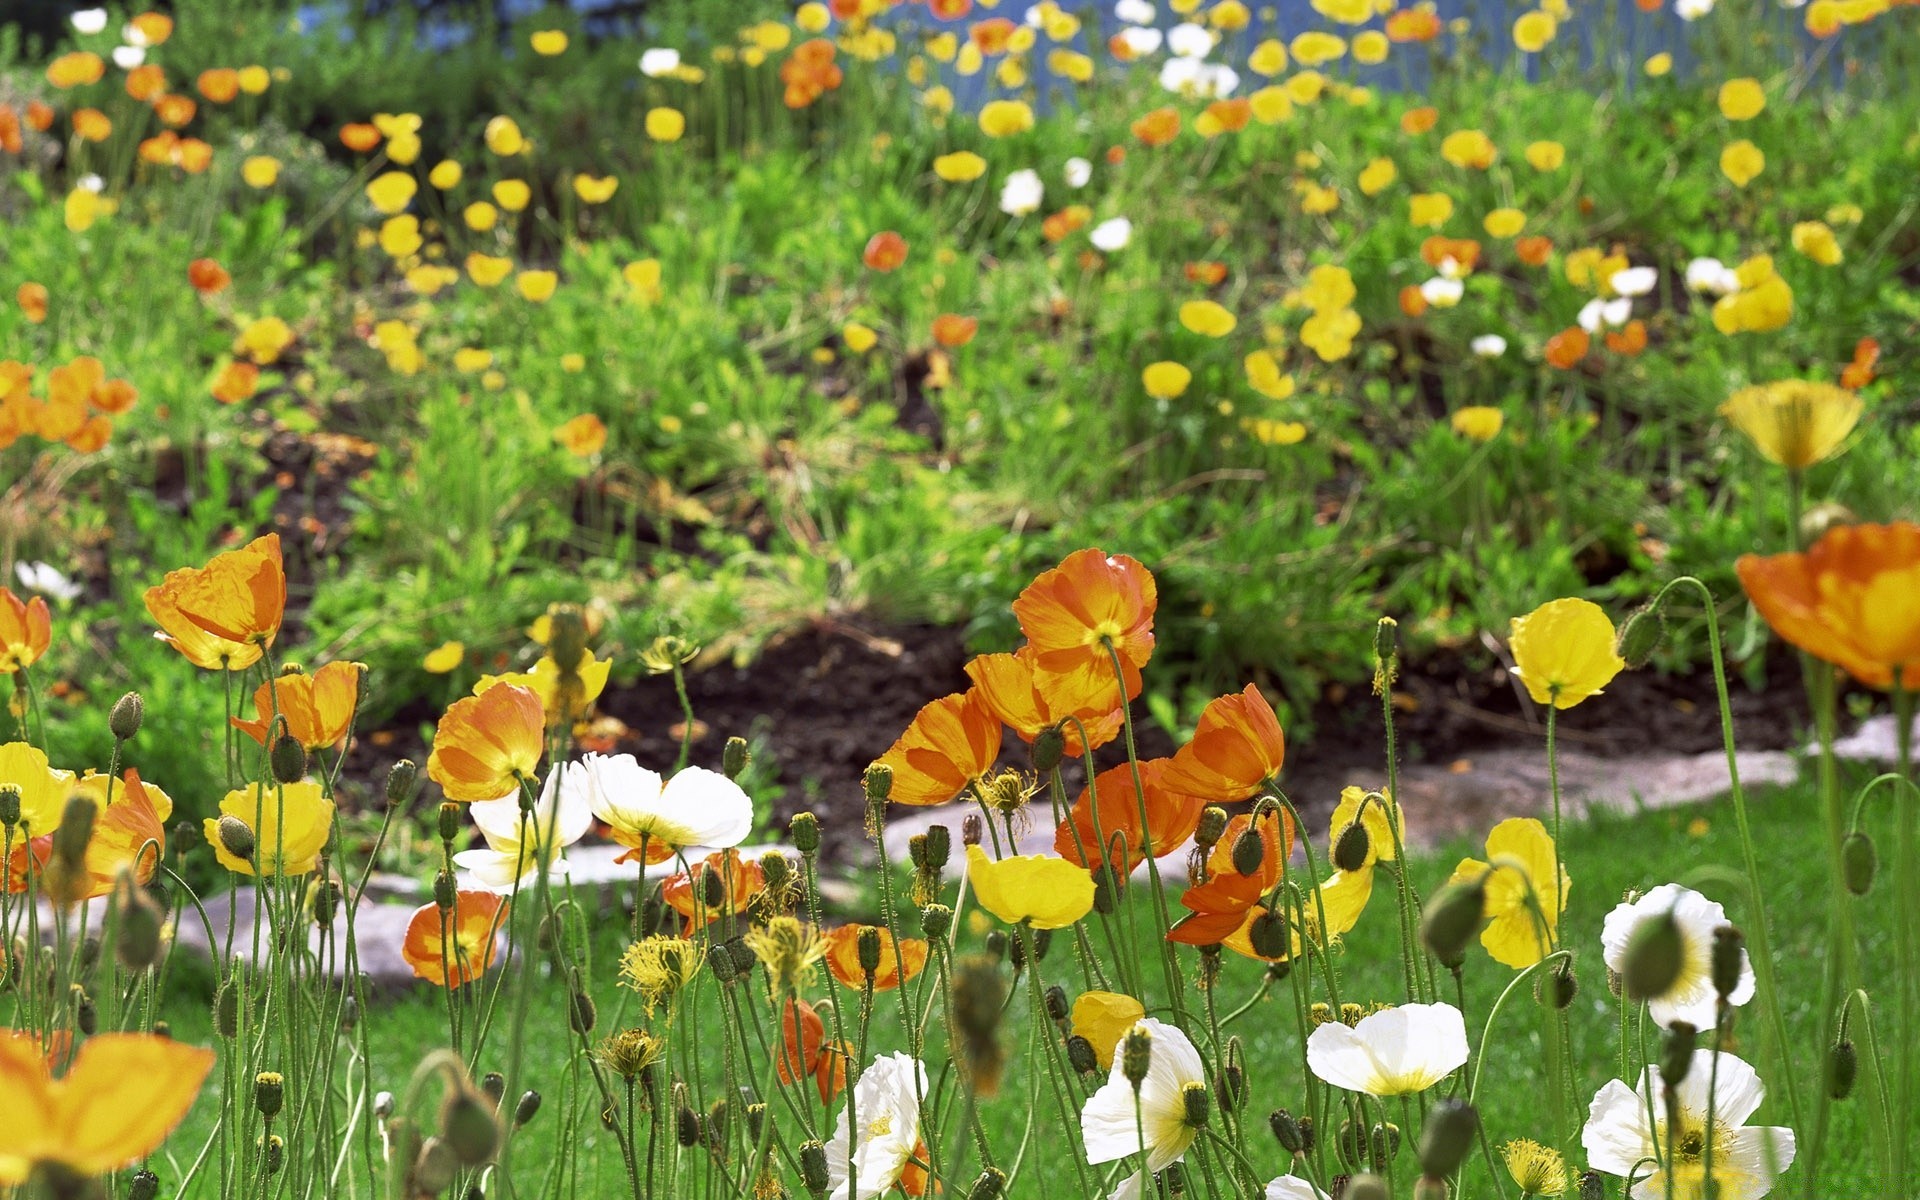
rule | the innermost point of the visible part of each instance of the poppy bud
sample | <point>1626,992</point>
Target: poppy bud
<point>1640,635</point>
<point>1427,1188</point>
<point>1308,1137</point>
<point>1056,1000</point>
<point>991,1185</point>
<point>686,1126</point>
<point>720,962</point>
<point>566,635</point>
<point>1042,942</point>
<point>998,945</point>
<point>1593,1186</point>
<point>866,947</point>
<point>1450,919</point>
<point>1049,747</point>
<point>1136,1054</point>
<point>935,921</point>
<point>778,869</point>
<point>1230,1088</point>
<point>1655,954</point>
<point>137,941</point>
<point>1386,639</point>
<point>1365,1187</point>
<point>1858,862</point>
<point>124,720</point>
<point>756,1117</point>
<point>434,1169</point>
<point>813,1167</point>
<point>735,758</point>
<point>1556,988</point>
<point>583,1015</point>
<point>400,779</point>
<point>144,1185</point>
<point>468,1124</point>
<point>652,911</point>
<point>743,957</point>
<point>713,889</point>
<point>446,892</point>
<point>75,831</point>
<point>236,837</point>
<point>1196,1102</point>
<point>9,806</point>
<point>1729,954</point>
<point>383,1105</point>
<point>85,1016</point>
<point>1106,891</point>
<point>1080,1055</point>
<point>804,832</point>
<point>1350,848</point>
<point>917,851</point>
<point>1448,1137</point>
<point>494,1085</point>
<point>879,783</point>
<point>1843,1063</point>
<point>1286,1131</point>
<point>970,829</point>
<point>939,846</point>
<point>1248,852</point>
<point>288,758</point>
<point>273,1150</point>
<point>1267,934</point>
<point>1676,1053</point>
<point>269,1093</point>
<point>226,1009</point>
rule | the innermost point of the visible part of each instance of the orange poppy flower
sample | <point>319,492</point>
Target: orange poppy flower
<point>802,1034</point>
<point>949,10</point>
<point>1005,685</point>
<point>896,965</point>
<point>76,69</point>
<point>1416,121</point>
<point>15,872</point>
<point>953,330</point>
<point>32,298</point>
<point>583,436</point>
<point>1859,373</point>
<point>952,742</point>
<point>129,835</point>
<point>175,110</point>
<point>1171,817</point>
<point>220,84</point>
<point>1071,614</point>
<point>886,251</point>
<point>1220,907</point>
<point>207,276</point>
<point>1206,273</point>
<point>146,82</point>
<point>92,435</point>
<point>1158,127</point>
<point>149,29</point>
<point>193,156</point>
<point>39,116</point>
<point>1533,250</point>
<point>224,615</point>
<point>809,72</point>
<point>117,1102</point>
<point>1237,747</point>
<point>92,125</point>
<point>456,946</point>
<point>1566,348</point>
<point>1413,301</point>
<point>486,744</point>
<point>26,630</point>
<point>317,708</point>
<point>1437,249</point>
<point>1853,600</point>
<point>359,137</point>
<point>742,881</point>
<point>1630,340</point>
<point>992,35</point>
<point>235,382</point>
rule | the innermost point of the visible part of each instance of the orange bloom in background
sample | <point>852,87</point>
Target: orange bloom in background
<point>119,1100</point>
<point>219,85</point>
<point>1226,902</point>
<point>1413,25</point>
<point>317,708</point>
<point>952,742</point>
<point>76,69</point>
<point>886,251</point>
<point>1438,248</point>
<point>742,882</point>
<point>39,116</point>
<point>146,82</point>
<point>26,630</point>
<point>583,436</point>
<point>193,155</point>
<point>1416,121</point>
<point>150,29</point>
<point>1533,250</point>
<point>897,964</point>
<point>207,276</point>
<point>1006,686</point>
<point>235,382</point>
<point>1171,817</point>
<point>452,947</point>
<point>486,744</point>
<point>953,330</point>
<point>1231,115</point>
<point>1566,348</point>
<point>1158,127</point>
<point>1629,340</point>
<point>1236,748</point>
<point>1206,273</point>
<point>1859,373</point>
<point>802,1034</point>
<point>33,299</point>
<point>1853,600</point>
<point>175,110</point>
<point>92,125</point>
<point>129,835</point>
<point>224,615</point>
<point>10,139</point>
<point>809,72</point>
<point>359,137</point>
<point>1413,301</point>
<point>1073,612</point>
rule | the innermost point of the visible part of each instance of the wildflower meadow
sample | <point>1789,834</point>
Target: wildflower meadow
<point>973,598</point>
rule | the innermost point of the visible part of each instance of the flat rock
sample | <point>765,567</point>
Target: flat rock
<point>1876,741</point>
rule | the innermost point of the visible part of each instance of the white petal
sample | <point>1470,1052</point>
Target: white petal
<point>1615,1136</point>
<point>1336,1054</point>
<point>89,20</point>
<point>715,808</point>
<point>1107,1124</point>
<point>1292,1187</point>
<point>1762,1153</point>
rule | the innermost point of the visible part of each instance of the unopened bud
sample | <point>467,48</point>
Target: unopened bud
<point>713,889</point>
<point>448,821</point>
<point>1729,957</point>
<point>1056,998</point>
<point>866,948</point>
<point>85,1016</point>
<point>939,846</point>
<point>1366,1187</point>
<point>75,831</point>
<point>1248,852</point>
<point>383,1105</point>
<point>1049,747</point>
<point>137,940</point>
<point>1286,1131</point>
<point>1676,1052</point>
<point>1080,1055</point>
<point>1450,920</point>
<point>527,1108</point>
<point>1230,1087</point>
<point>9,806</point>
<point>1213,823</point>
<point>720,962</point>
<point>1448,1137</point>
<point>288,758</point>
<point>734,758</point>
<point>1557,987</point>
<point>971,829</point>
<point>1136,1055</point>
<point>1106,890</point>
<point>1427,1188</point>
<point>813,1167</point>
<point>273,1153</point>
<point>1858,862</point>
<point>935,921</point>
<point>1386,639</point>
<point>236,837</point>
<point>1593,1185</point>
<point>1197,1104</point>
<point>1640,635</point>
<point>269,1093</point>
<point>1843,1064</point>
<point>144,1185</point>
<point>467,1123</point>
<point>124,720</point>
<point>493,1085</point>
<point>804,830</point>
<point>991,1185</point>
<point>435,1167</point>
<point>1267,935</point>
<point>583,1016</point>
<point>400,778</point>
<point>1350,848</point>
<point>686,1126</point>
<point>1656,953</point>
<point>446,892</point>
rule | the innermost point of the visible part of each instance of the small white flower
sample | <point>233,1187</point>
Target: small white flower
<point>1692,10</point>
<point>1180,74</point>
<point>1109,1124</point>
<point>1611,313</point>
<point>1111,235</point>
<point>697,807</point>
<point>1442,292</point>
<point>129,57</point>
<point>1691,998</point>
<point>886,1102</point>
<point>1395,1052</point>
<point>561,818</point>
<point>1711,275</point>
<point>1134,12</point>
<point>1292,1187</point>
<point>1217,81</point>
<point>89,20</point>
<point>1141,40</point>
<point>1078,172</point>
<point>661,60</point>
<point>133,35</point>
<point>1624,1137</point>
<point>91,183</point>
<point>1189,40</point>
<point>1634,281</point>
<point>1022,193</point>
<point>1489,345</point>
<point>39,577</point>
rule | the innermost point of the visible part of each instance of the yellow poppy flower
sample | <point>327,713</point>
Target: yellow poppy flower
<point>1035,889</point>
<point>666,124</point>
<point>536,286</point>
<point>481,216</point>
<point>445,175</point>
<point>1004,118</point>
<point>1533,30</point>
<point>1794,422</point>
<point>1742,162</point>
<point>1371,47</point>
<point>962,166</point>
<point>595,191</point>
<point>1269,58</point>
<point>1545,156</point>
<point>1271,105</point>
<point>1165,380</point>
<point>1564,652</point>
<point>1468,148</point>
<point>1520,862</point>
<point>1314,47</point>
<point>859,338</point>
<point>1477,422</point>
<point>486,270</point>
<point>391,192</point>
<point>1265,376</point>
<point>1658,64</point>
<point>1344,895</point>
<point>444,658</point>
<point>512,194</point>
<point>1207,318</point>
<point>1504,222</point>
<point>290,825</point>
<point>119,1100</point>
<point>1103,1018</point>
<point>1429,210</point>
<point>1742,99</point>
<point>43,790</point>
<point>549,42</point>
<point>260,171</point>
<point>503,137</point>
<point>1815,240</point>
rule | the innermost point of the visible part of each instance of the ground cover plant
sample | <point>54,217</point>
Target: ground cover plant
<point>387,400</point>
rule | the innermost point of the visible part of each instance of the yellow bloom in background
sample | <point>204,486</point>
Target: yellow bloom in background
<point>444,658</point>
<point>1477,422</point>
<point>1545,156</point>
<point>469,359</point>
<point>253,80</point>
<point>1269,432</point>
<point>1316,200</point>
<point>813,17</point>
<point>1564,652</point>
<point>1658,64</point>
<point>549,42</point>
<point>120,1098</point>
<point>1165,380</point>
<point>480,216</point>
<point>1304,87</point>
<point>1228,14</point>
<point>1468,148</point>
<point>1265,376</point>
<point>1742,99</point>
<point>1533,30</point>
<point>1520,863</point>
<point>82,208</point>
<point>938,99</point>
<point>962,166</point>
<point>260,171</point>
<point>1037,889</point>
<point>1329,287</point>
<point>512,194</point>
<point>1004,118</point>
<point>1103,1018</point>
<point>1269,58</point>
<point>1271,105</point>
<point>445,175</point>
<point>391,192</point>
<point>1314,47</point>
<point>1815,240</point>
<point>1429,210</point>
<point>290,824</point>
<point>1371,47</point>
<point>1207,318</point>
<point>1846,214</point>
<point>486,270</point>
<point>536,286</point>
<point>264,338</point>
<point>1794,422</point>
<point>1763,302</point>
<point>400,236</point>
<point>595,191</point>
<point>1742,162</point>
<point>503,137</point>
<point>1504,222</point>
<point>1346,12</point>
<point>1330,334</point>
<point>859,338</point>
<point>1069,64</point>
<point>666,124</point>
<point>1377,176</point>
<point>573,363</point>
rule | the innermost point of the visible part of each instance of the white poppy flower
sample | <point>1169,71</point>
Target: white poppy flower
<point>1108,1123</point>
<point>1712,275</point>
<point>1395,1052</point>
<point>1634,281</point>
<point>1622,1137</point>
<point>1111,235</point>
<point>887,1103</point>
<point>1442,292</point>
<point>1217,81</point>
<point>561,818</point>
<point>1141,40</point>
<point>1692,10</point>
<point>1611,313</point>
<point>39,577</point>
<point>1134,12</point>
<point>129,57</point>
<point>1078,171</point>
<point>89,20</point>
<point>133,35</point>
<point>1189,40</point>
<point>1021,193</point>
<point>91,183</point>
<point>1292,1187</point>
<point>1489,345</point>
<point>697,807</point>
<point>661,60</point>
<point>1691,998</point>
<point>1180,75</point>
